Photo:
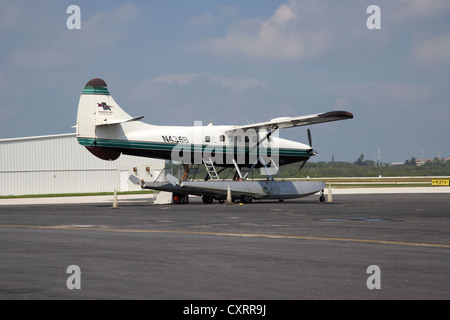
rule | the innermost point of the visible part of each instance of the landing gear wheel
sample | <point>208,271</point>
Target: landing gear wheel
<point>207,199</point>
<point>322,197</point>
<point>246,199</point>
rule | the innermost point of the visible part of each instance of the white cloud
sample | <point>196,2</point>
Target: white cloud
<point>106,28</point>
<point>342,103</point>
<point>381,95</point>
<point>434,50</point>
<point>180,79</point>
<point>402,10</point>
<point>285,35</point>
<point>53,55</point>
<point>234,84</point>
<point>201,20</point>
<point>62,46</point>
<point>226,12</point>
<point>192,96</point>
<point>303,30</point>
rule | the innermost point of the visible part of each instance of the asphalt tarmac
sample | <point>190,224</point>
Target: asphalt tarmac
<point>300,249</point>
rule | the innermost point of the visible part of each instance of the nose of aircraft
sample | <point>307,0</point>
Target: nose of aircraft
<point>311,151</point>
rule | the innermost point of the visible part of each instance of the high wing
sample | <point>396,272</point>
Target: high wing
<point>288,122</point>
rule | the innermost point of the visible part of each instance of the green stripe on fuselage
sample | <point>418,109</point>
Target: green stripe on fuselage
<point>162,146</point>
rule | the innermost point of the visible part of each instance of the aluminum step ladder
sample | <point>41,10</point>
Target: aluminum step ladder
<point>209,165</point>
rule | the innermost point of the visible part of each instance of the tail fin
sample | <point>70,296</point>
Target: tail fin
<point>98,108</point>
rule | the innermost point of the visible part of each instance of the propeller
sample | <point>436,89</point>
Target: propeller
<point>309,138</point>
<point>310,144</point>
<point>302,165</point>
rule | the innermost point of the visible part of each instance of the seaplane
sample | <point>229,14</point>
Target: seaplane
<point>107,131</point>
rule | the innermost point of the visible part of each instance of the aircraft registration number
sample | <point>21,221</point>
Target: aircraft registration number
<point>175,139</point>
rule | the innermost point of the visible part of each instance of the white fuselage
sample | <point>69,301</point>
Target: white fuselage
<point>192,144</point>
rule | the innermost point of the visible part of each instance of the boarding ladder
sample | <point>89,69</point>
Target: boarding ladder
<point>209,165</point>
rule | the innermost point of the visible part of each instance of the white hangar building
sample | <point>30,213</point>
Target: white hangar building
<point>58,164</point>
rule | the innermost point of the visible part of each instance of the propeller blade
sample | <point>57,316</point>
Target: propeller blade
<point>303,164</point>
<point>310,143</point>
<point>309,138</point>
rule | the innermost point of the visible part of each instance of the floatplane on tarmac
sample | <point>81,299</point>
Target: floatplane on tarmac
<point>107,131</point>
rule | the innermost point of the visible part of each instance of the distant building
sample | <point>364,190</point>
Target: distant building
<point>421,162</point>
<point>57,164</point>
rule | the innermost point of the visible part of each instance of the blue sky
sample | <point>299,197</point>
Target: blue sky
<point>176,62</point>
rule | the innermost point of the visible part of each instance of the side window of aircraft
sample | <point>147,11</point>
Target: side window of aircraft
<point>222,138</point>
<point>207,138</point>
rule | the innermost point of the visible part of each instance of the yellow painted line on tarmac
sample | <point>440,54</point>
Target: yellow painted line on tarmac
<point>255,235</point>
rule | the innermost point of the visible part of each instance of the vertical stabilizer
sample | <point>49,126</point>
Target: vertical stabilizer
<point>96,108</point>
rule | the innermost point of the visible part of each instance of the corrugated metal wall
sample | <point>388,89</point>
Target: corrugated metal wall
<point>58,164</point>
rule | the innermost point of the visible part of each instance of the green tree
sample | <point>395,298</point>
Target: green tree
<point>360,160</point>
